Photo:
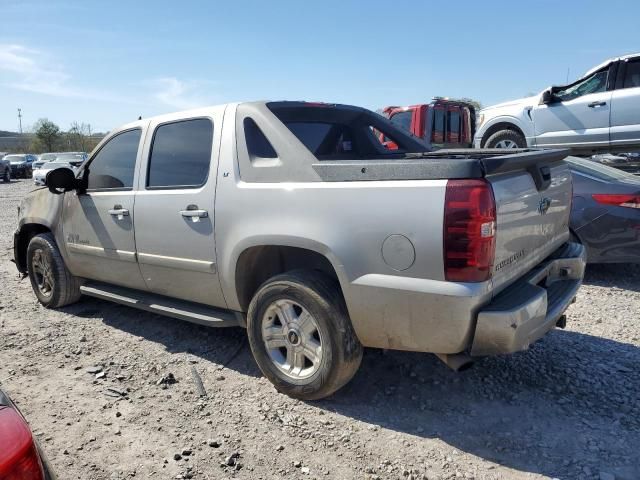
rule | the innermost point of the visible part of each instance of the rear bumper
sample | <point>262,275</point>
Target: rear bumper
<point>528,309</point>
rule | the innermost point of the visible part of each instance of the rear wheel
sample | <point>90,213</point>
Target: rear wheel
<point>51,281</point>
<point>301,335</point>
<point>506,139</point>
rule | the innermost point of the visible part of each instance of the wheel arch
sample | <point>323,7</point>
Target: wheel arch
<point>502,124</point>
<point>257,263</point>
<point>23,237</point>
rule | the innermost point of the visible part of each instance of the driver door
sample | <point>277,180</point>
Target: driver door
<point>580,116</point>
<point>98,223</point>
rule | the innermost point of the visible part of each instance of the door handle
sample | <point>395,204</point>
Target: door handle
<point>118,211</point>
<point>194,213</point>
<point>597,104</point>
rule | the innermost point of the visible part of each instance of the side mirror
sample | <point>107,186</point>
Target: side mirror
<point>547,97</point>
<point>60,180</point>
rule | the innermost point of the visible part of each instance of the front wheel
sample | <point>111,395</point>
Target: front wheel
<point>7,176</point>
<point>51,281</point>
<point>506,139</point>
<point>301,335</point>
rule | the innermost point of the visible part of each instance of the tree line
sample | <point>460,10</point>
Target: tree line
<point>46,136</point>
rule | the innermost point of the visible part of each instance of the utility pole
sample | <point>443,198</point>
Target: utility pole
<point>20,119</point>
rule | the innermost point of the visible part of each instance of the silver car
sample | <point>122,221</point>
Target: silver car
<point>600,111</point>
<point>294,220</point>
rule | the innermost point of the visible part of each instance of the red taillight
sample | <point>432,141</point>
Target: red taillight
<point>19,458</point>
<point>469,231</point>
<point>619,200</point>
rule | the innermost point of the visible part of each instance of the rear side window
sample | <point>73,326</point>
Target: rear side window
<point>257,143</point>
<point>113,166</point>
<point>632,74</point>
<point>180,154</point>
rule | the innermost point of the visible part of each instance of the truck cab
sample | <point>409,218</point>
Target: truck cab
<point>442,123</point>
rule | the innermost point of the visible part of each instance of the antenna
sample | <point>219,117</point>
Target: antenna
<point>567,76</point>
<point>20,119</point>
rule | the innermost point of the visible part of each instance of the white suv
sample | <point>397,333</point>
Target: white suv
<point>598,112</point>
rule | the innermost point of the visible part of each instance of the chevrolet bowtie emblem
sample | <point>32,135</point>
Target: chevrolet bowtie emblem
<point>544,205</point>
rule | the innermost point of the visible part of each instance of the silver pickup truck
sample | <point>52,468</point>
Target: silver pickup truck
<point>293,220</point>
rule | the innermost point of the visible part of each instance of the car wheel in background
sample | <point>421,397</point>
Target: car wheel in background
<point>52,282</point>
<point>301,335</point>
<point>6,178</point>
<point>506,139</point>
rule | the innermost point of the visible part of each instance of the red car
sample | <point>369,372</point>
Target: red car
<point>20,456</point>
<point>442,123</point>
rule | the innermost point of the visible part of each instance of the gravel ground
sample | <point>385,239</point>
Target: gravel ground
<point>569,408</point>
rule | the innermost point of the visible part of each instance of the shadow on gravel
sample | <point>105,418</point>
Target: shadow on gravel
<point>568,403</point>
<point>623,276</point>
<point>567,408</point>
<point>227,347</point>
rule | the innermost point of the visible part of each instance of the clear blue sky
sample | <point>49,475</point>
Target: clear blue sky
<point>107,62</point>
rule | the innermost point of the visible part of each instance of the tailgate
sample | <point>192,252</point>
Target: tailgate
<point>533,205</point>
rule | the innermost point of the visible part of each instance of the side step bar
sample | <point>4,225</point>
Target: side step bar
<point>170,307</point>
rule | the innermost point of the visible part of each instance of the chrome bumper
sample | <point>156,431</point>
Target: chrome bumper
<point>528,309</point>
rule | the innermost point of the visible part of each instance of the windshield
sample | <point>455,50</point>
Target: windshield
<point>70,157</point>
<point>16,158</point>
<point>47,157</point>
<point>56,164</point>
<point>594,169</point>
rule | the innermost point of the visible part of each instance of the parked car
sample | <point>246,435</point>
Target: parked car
<point>605,217</point>
<point>73,158</point>
<point>5,169</point>
<point>598,112</point>
<point>324,240</point>
<point>44,158</point>
<point>625,162</point>
<point>442,123</point>
<point>20,455</point>
<point>21,164</point>
<point>40,175</point>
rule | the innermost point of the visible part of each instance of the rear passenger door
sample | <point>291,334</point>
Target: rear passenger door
<point>625,105</point>
<point>174,210</point>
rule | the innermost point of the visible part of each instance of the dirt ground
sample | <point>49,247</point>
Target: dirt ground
<point>568,408</point>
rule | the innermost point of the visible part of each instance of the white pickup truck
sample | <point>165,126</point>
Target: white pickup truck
<point>293,220</point>
<point>598,112</point>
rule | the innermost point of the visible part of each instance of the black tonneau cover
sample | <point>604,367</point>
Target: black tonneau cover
<point>445,164</point>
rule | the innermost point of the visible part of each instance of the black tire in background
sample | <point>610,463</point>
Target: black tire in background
<point>44,261</point>
<point>6,178</point>
<point>320,296</point>
<point>506,139</point>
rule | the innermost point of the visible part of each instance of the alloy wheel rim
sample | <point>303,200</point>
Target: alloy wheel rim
<point>506,144</point>
<point>41,267</point>
<point>292,339</point>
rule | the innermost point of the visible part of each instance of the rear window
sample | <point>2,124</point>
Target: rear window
<point>333,132</point>
<point>594,169</point>
<point>454,122</point>
<point>323,138</point>
<point>402,120</point>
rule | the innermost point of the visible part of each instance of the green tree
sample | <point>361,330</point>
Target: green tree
<point>48,133</point>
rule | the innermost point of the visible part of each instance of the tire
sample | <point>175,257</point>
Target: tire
<point>51,281</point>
<point>293,295</point>
<point>6,178</point>
<point>506,139</point>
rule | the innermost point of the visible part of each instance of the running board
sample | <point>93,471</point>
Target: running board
<point>170,307</point>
